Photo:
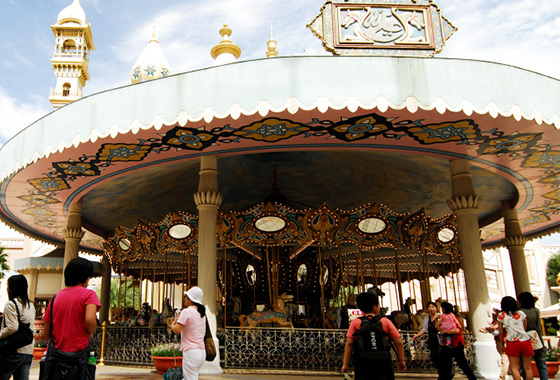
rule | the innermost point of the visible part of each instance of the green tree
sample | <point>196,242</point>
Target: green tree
<point>4,267</point>
<point>552,269</point>
<point>132,293</point>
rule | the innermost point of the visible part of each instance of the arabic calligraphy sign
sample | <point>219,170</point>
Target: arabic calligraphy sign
<point>382,27</point>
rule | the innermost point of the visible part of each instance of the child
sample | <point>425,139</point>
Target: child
<point>512,324</point>
<point>446,322</point>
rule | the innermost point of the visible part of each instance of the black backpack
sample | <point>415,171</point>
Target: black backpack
<point>371,342</point>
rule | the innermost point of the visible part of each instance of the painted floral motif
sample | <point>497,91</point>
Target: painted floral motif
<point>39,212</point>
<point>553,195</point>
<point>510,144</point>
<point>271,130</point>
<point>552,208</point>
<point>358,128</point>
<point>71,168</point>
<point>38,199</point>
<point>534,219</point>
<point>553,179</point>
<point>547,159</point>
<point>150,70</point>
<point>136,73</point>
<point>462,131</point>
<point>122,152</point>
<point>49,184</point>
<point>189,138</point>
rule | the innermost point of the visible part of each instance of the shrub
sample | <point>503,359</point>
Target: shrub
<point>167,349</point>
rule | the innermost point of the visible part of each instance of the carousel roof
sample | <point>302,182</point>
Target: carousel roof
<point>343,130</point>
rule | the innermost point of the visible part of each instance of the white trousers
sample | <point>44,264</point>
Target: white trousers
<point>193,359</point>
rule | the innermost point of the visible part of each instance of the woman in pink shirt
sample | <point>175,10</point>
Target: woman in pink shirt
<point>191,323</point>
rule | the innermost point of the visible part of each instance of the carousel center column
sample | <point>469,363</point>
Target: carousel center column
<point>208,200</point>
<point>465,203</point>
<point>515,243</point>
<point>73,234</point>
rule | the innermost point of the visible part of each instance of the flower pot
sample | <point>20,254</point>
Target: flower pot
<point>38,352</point>
<point>551,369</point>
<point>163,363</point>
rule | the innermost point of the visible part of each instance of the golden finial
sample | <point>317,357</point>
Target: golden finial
<point>271,44</point>
<point>225,46</point>
<point>154,35</point>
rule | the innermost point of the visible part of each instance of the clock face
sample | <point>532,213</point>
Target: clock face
<point>372,225</point>
<point>270,224</point>
<point>446,234</point>
<point>180,231</point>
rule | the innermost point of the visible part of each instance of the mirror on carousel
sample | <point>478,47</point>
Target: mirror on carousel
<point>251,275</point>
<point>324,275</point>
<point>302,275</point>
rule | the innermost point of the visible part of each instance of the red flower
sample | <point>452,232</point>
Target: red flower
<point>516,316</point>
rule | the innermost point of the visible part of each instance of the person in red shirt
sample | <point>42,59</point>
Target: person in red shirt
<point>368,303</point>
<point>75,309</point>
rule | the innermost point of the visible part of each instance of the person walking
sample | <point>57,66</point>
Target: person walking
<point>368,368</point>
<point>18,309</point>
<point>455,349</point>
<point>429,328</point>
<point>191,324</point>
<point>513,324</point>
<point>526,302</point>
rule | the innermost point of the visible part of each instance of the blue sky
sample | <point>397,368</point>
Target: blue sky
<point>524,33</point>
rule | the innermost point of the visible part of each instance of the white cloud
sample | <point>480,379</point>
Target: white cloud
<point>16,115</point>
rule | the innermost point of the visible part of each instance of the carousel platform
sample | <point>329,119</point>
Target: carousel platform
<point>149,373</point>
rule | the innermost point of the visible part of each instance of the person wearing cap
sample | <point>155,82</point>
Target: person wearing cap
<point>191,324</point>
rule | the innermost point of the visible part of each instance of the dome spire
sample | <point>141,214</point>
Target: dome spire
<point>152,63</point>
<point>226,51</point>
<point>271,45</point>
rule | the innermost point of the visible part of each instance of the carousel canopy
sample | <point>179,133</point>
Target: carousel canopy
<point>347,131</point>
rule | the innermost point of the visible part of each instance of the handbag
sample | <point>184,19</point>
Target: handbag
<point>209,345</point>
<point>535,339</point>
<point>22,337</point>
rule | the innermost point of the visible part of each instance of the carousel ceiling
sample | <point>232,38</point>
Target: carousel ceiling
<point>342,130</point>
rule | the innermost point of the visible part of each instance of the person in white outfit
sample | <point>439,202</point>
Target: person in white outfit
<point>191,323</point>
<point>17,364</point>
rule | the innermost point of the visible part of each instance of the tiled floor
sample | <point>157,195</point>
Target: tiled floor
<point>125,373</point>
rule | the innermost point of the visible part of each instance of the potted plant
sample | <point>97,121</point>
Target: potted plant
<point>39,348</point>
<point>552,363</point>
<point>167,355</point>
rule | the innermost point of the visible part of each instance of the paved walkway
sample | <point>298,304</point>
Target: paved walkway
<point>146,373</point>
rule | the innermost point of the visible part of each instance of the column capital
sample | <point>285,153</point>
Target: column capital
<point>213,198</point>
<point>73,233</point>
<point>515,241</point>
<point>464,203</point>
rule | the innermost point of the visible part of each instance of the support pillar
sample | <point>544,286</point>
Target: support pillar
<point>33,276</point>
<point>73,234</point>
<point>207,200</point>
<point>464,203</point>
<point>105,291</point>
<point>515,243</point>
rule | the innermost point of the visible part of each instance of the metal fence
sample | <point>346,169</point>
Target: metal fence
<point>268,348</point>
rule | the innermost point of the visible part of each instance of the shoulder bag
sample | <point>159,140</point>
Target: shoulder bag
<point>209,345</point>
<point>22,337</point>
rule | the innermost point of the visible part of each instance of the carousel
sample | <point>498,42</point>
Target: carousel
<point>293,182</point>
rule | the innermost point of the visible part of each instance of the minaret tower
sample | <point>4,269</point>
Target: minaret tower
<point>73,43</point>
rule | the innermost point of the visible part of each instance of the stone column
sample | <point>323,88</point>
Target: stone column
<point>33,277</point>
<point>105,291</point>
<point>73,233</point>
<point>515,243</point>
<point>464,203</point>
<point>207,200</point>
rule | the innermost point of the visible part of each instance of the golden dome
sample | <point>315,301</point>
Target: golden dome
<point>225,46</point>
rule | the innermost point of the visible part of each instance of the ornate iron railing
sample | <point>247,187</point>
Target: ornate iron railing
<point>270,348</point>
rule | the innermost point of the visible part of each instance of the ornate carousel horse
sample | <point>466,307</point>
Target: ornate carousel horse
<point>166,313</point>
<point>145,314</point>
<point>277,315</point>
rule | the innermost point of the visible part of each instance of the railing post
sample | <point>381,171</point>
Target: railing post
<point>103,331</point>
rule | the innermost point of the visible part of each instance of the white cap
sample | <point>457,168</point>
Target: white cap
<point>195,294</point>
